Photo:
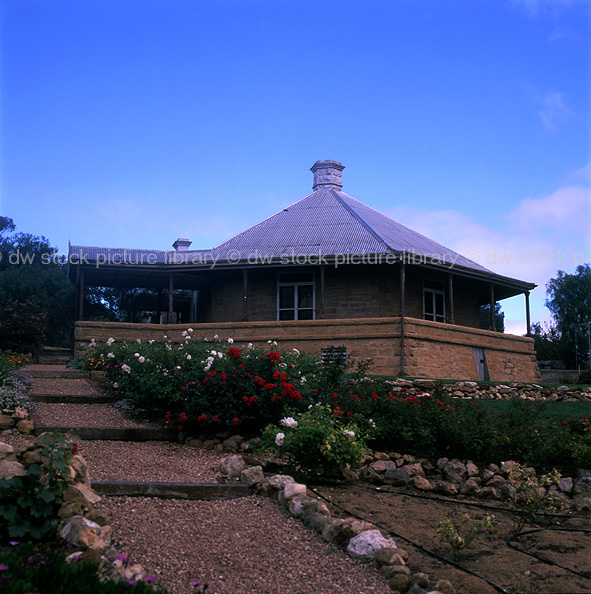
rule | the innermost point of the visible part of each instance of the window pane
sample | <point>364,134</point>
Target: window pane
<point>439,304</point>
<point>305,314</point>
<point>428,302</point>
<point>286,297</point>
<point>287,314</point>
<point>305,296</point>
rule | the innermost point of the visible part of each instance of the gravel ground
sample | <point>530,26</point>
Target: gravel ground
<point>241,546</point>
<point>150,461</point>
<point>86,415</point>
<point>15,439</point>
<point>81,387</point>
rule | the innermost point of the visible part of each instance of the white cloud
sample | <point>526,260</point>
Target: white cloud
<point>535,8</point>
<point>569,208</point>
<point>552,110</point>
<point>540,236</point>
<point>584,174</point>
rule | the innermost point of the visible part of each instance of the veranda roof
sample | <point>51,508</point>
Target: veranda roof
<point>327,223</point>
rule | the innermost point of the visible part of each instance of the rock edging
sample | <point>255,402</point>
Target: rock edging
<point>360,539</point>
<point>453,477</point>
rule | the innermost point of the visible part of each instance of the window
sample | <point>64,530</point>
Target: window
<point>295,296</point>
<point>433,300</point>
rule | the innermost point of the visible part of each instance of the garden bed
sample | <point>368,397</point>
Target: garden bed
<point>417,517</point>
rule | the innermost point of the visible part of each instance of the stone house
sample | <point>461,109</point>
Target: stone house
<point>326,271</point>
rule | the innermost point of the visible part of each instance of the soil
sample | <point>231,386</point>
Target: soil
<point>416,517</point>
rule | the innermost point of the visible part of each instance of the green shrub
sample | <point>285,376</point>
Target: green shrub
<point>22,327</point>
<point>29,503</point>
<point>207,384</point>
<point>24,570</point>
<point>320,442</point>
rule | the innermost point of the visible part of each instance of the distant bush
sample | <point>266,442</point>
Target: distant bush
<point>22,327</point>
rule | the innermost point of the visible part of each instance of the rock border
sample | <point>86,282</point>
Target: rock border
<point>361,540</point>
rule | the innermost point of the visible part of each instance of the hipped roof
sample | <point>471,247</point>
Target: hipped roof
<point>327,223</point>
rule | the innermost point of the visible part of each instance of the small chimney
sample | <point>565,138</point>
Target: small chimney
<point>327,175</point>
<point>181,245</point>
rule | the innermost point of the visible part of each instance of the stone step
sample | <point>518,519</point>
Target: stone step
<point>202,491</point>
<point>55,356</point>
<point>74,398</point>
<point>113,433</point>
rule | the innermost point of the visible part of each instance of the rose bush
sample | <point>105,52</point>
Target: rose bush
<point>212,385</point>
<point>318,442</point>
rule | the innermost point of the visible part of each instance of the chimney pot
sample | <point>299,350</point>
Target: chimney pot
<point>181,245</point>
<point>327,175</point>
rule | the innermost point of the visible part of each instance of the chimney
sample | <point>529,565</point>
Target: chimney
<point>181,245</point>
<point>327,175</point>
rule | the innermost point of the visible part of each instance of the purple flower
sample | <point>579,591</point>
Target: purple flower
<point>14,543</point>
<point>130,581</point>
<point>195,583</point>
<point>3,567</point>
<point>151,579</point>
<point>123,558</point>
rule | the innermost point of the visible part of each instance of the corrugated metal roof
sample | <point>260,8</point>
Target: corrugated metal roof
<point>331,222</point>
<point>102,255</point>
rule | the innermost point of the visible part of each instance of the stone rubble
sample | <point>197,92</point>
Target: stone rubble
<point>469,390</point>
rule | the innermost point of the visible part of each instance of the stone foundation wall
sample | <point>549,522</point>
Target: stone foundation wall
<point>445,351</point>
<point>432,350</point>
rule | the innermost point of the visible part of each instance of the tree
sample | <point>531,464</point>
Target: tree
<point>33,280</point>
<point>569,301</point>
<point>485,318</point>
<point>547,342</point>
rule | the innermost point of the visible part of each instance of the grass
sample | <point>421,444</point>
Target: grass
<point>549,411</point>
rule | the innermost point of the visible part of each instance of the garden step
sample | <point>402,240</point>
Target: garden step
<point>55,356</point>
<point>74,398</point>
<point>203,491</point>
<point>113,433</point>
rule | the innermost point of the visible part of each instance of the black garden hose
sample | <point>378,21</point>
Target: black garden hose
<point>586,574</point>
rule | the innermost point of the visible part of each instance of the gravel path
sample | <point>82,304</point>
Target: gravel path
<point>86,415</point>
<point>150,461</point>
<point>241,546</point>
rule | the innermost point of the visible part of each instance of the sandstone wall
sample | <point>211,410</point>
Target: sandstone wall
<point>432,350</point>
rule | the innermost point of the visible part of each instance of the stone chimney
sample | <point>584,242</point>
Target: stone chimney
<point>327,175</point>
<point>181,245</point>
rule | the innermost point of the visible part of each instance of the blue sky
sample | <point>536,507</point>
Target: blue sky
<point>129,123</point>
